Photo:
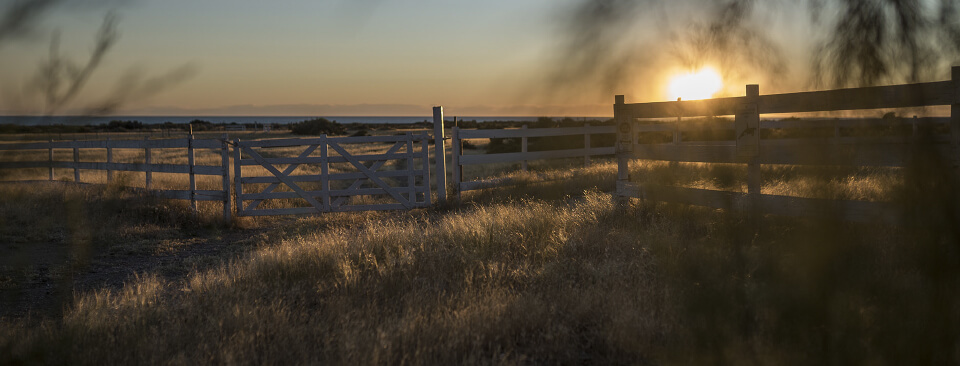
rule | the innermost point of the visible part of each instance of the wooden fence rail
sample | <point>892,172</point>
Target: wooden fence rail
<point>327,191</point>
<point>524,156</point>
<point>191,169</point>
<point>750,148</point>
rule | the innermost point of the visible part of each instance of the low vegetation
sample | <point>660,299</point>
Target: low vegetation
<point>551,270</point>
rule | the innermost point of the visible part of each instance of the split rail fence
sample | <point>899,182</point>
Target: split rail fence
<point>747,147</point>
<point>147,166</point>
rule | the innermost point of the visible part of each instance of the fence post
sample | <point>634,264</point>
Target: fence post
<point>76,161</point>
<point>50,158</point>
<point>457,170</point>
<point>425,162</point>
<point>751,119</point>
<point>109,161</point>
<point>411,176</point>
<point>237,173</point>
<point>193,178</point>
<point>523,148</point>
<point>324,173</point>
<point>955,112</point>
<point>626,140</point>
<point>225,166</point>
<point>147,160</point>
<point>586,145</point>
<point>441,155</point>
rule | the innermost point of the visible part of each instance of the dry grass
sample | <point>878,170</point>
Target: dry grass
<point>549,272</point>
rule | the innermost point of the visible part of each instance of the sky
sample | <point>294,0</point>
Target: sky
<point>333,57</point>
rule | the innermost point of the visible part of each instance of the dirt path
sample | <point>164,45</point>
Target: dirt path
<point>40,279</point>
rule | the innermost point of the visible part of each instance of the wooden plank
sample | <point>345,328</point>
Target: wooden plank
<point>524,164</point>
<point>76,162</point>
<point>842,155</point>
<point>30,164</point>
<point>425,167</point>
<point>411,178</point>
<point>366,139</point>
<point>371,175</point>
<point>279,211</point>
<point>847,123</point>
<point>331,159</point>
<point>238,177</point>
<point>380,207</point>
<point>626,140</point>
<point>331,177</point>
<point>536,132</point>
<point>290,168</point>
<point>225,183</point>
<point>688,153</point>
<point>692,196</point>
<point>148,168</point>
<point>138,167</point>
<point>867,155</point>
<point>686,108</point>
<point>213,144</point>
<point>536,155</point>
<point>457,144</point>
<point>192,177</point>
<point>310,211</point>
<point>440,155</point>
<point>284,179</point>
<point>282,142</point>
<point>113,144</point>
<point>325,176</point>
<point>50,160</point>
<point>317,141</point>
<point>586,146</point>
<point>658,127</point>
<point>363,177</point>
<point>891,96</point>
<point>847,140</point>
<point>320,193</point>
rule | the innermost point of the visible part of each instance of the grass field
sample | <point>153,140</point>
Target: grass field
<point>550,271</point>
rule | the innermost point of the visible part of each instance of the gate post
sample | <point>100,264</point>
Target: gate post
<point>237,178</point>
<point>625,144</point>
<point>747,128</point>
<point>457,145</point>
<point>225,168</point>
<point>441,155</point>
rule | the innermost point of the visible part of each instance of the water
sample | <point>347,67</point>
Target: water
<point>266,120</point>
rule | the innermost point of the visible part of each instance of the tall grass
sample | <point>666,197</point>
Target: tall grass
<point>577,281</point>
<point>554,272</point>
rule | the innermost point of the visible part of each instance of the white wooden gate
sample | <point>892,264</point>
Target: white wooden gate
<point>315,175</point>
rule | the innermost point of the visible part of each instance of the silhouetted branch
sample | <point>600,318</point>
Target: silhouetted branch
<point>60,79</point>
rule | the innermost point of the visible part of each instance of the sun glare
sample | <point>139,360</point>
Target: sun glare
<point>700,85</point>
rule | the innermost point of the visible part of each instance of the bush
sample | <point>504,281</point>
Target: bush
<point>318,126</point>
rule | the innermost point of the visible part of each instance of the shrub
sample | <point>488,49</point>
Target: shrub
<point>318,126</point>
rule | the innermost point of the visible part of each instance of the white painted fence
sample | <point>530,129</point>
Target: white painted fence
<point>147,166</point>
<point>405,164</point>
<point>460,160</point>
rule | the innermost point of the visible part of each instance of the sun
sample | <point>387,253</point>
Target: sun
<point>702,84</point>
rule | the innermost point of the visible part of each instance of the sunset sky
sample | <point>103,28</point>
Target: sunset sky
<point>301,57</point>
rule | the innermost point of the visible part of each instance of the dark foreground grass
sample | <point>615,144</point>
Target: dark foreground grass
<point>542,278</point>
<point>576,281</point>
